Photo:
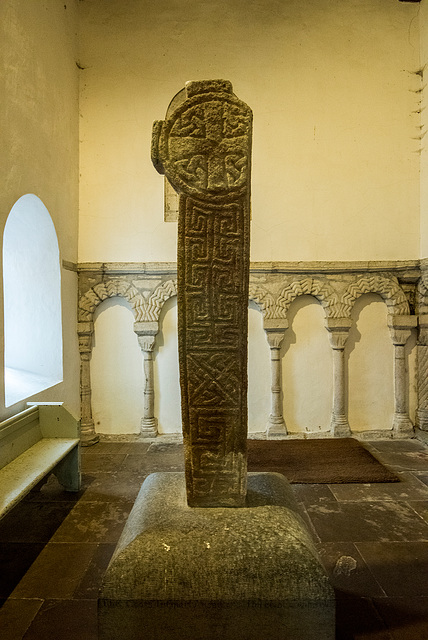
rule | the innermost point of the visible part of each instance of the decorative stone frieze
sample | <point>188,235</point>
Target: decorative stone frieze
<point>316,287</point>
<point>273,287</point>
<point>275,330</point>
<point>400,328</point>
<point>150,311</point>
<point>386,286</point>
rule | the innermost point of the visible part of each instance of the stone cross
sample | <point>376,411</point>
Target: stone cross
<point>204,149</point>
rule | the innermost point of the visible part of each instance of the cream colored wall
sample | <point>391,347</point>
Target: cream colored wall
<point>423,67</point>
<point>307,369</point>
<point>331,84</point>
<point>39,145</point>
<point>117,400</point>
<point>334,90</point>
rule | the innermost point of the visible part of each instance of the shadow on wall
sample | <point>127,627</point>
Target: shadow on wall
<point>307,368</point>
<point>370,355</point>
<point>116,370</point>
<point>117,378</point>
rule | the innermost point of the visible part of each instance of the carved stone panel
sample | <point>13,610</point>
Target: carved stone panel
<point>204,149</point>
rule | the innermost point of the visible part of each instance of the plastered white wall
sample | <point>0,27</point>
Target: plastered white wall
<point>167,387</point>
<point>423,68</point>
<point>39,146</point>
<point>117,400</point>
<point>335,90</point>
<point>370,355</point>
<point>116,370</point>
<point>332,87</point>
<point>307,369</point>
<point>259,372</point>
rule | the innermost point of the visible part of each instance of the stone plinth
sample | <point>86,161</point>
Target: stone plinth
<point>209,573</point>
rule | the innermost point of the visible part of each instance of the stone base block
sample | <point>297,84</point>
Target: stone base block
<point>249,573</point>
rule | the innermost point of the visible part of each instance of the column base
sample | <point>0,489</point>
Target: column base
<point>88,437</point>
<point>339,426</point>
<point>149,427</point>
<point>402,426</point>
<point>276,428</point>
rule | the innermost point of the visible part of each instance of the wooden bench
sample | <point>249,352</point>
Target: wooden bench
<point>42,439</point>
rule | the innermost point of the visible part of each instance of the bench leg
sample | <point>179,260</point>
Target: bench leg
<point>67,471</point>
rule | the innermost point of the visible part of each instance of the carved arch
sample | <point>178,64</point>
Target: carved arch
<point>320,289</point>
<point>144,310</point>
<point>150,310</point>
<point>263,298</point>
<point>387,287</point>
<point>89,301</point>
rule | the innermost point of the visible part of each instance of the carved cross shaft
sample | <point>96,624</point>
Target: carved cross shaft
<point>204,148</point>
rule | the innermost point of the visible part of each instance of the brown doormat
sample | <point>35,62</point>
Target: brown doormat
<point>326,461</point>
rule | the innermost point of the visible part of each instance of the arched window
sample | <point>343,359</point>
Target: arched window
<point>32,301</point>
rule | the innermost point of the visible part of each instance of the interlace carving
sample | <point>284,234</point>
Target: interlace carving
<point>203,148</point>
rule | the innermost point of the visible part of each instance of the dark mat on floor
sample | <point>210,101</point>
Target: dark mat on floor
<point>326,461</point>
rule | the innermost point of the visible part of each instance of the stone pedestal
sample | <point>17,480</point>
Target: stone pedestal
<point>207,573</point>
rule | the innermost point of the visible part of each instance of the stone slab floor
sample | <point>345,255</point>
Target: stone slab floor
<point>373,539</point>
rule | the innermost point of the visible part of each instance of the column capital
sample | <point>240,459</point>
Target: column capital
<point>146,328</point>
<point>275,329</point>
<point>338,331</point>
<point>400,328</point>
<point>146,333</point>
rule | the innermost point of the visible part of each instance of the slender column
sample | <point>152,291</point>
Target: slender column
<point>400,328</point>
<point>275,330</point>
<point>422,373</point>
<point>146,332</point>
<point>85,331</point>
<point>338,329</point>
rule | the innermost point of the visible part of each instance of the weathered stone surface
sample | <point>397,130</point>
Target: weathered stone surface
<point>241,574</point>
<point>204,149</point>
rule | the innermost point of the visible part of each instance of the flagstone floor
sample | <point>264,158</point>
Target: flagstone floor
<point>373,540</point>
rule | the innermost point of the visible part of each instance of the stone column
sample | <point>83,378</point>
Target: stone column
<point>85,331</point>
<point>400,328</point>
<point>422,373</point>
<point>275,330</point>
<point>146,332</point>
<point>338,331</point>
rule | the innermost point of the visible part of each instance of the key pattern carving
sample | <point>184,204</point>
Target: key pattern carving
<point>204,149</point>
